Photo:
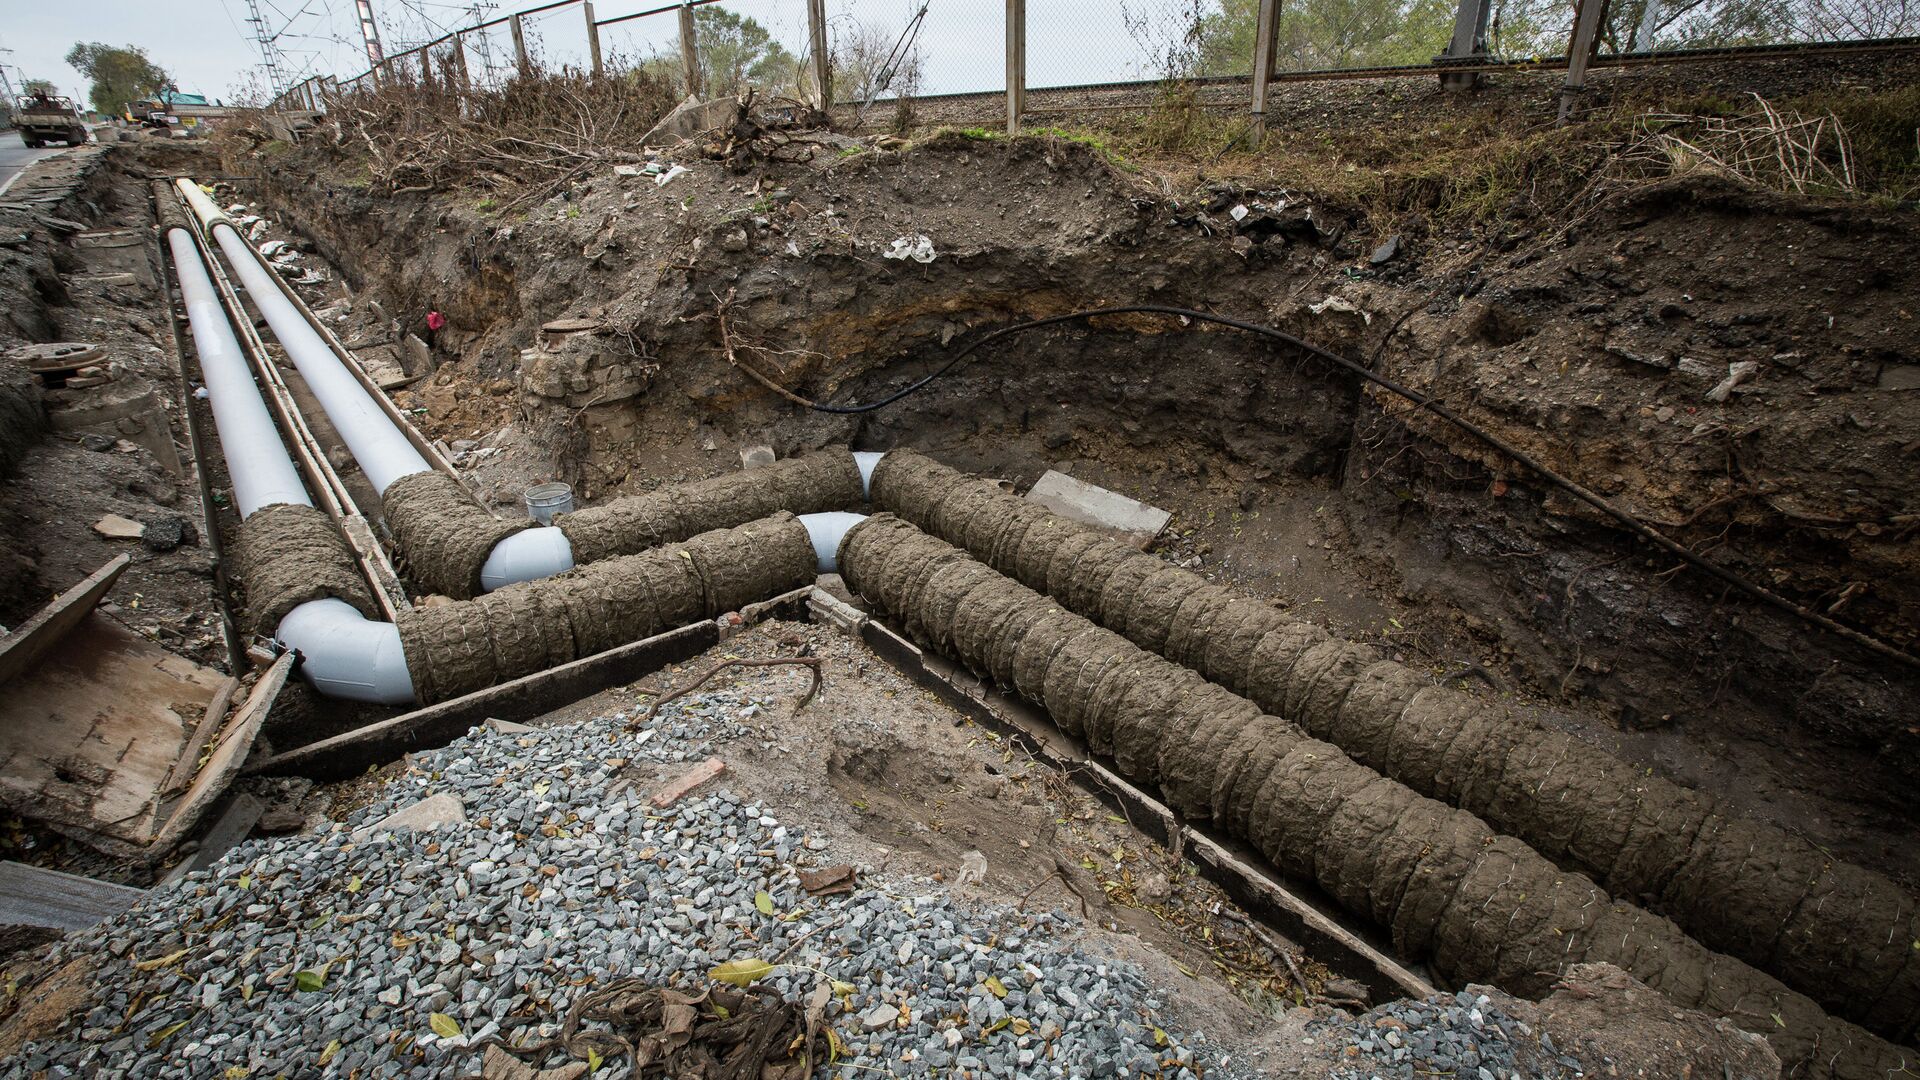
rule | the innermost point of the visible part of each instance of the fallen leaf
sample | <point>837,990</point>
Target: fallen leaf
<point>310,979</point>
<point>327,1054</point>
<point>743,972</point>
<point>159,962</point>
<point>1020,1026</point>
<point>542,787</point>
<point>163,1034</point>
<point>593,1060</point>
<point>1159,1037</point>
<point>763,900</point>
<point>844,989</point>
<point>444,1026</point>
<point>995,986</point>
<point>353,884</point>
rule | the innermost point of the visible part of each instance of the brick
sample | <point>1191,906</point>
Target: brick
<point>709,769</point>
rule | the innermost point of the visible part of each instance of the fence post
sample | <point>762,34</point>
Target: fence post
<point>1649,25</point>
<point>460,64</point>
<point>1586,30</point>
<point>817,33</point>
<point>689,50</point>
<point>1016,63</point>
<point>1266,41</point>
<point>1469,44</point>
<point>521,62</point>
<point>593,38</point>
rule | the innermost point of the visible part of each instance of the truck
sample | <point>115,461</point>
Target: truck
<point>44,119</point>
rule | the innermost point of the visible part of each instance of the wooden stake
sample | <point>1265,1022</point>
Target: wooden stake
<point>817,32</point>
<point>593,38</point>
<point>521,61</point>
<point>689,51</point>
<point>1016,63</point>
<point>1266,46</point>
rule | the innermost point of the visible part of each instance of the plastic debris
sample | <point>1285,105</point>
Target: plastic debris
<point>918,248</point>
<point>666,178</point>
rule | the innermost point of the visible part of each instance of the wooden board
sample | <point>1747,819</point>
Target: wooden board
<point>33,896</point>
<point>226,757</point>
<point>19,649</point>
<point>89,735</point>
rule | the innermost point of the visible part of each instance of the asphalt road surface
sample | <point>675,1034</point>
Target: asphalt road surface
<point>15,156</point>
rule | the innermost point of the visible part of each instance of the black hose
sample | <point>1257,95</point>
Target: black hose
<point>1439,409</point>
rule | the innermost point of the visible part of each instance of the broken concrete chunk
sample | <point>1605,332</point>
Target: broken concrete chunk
<point>115,527</point>
<point>1135,521</point>
<point>168,533</point>
<point>504,727</point>
<point>429,813</point>
<point>1385,251</point>
<point>752,457</point>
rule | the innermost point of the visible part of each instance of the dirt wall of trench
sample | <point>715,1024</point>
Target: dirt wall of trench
<point>1594,348</point>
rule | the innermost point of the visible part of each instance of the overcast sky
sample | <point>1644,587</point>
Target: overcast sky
<point>207,44</point>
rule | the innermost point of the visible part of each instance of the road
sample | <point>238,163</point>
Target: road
<point>15,156</point>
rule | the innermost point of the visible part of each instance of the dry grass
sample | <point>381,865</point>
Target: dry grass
<point>517,145</point>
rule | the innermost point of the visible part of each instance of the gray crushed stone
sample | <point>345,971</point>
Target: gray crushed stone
<point>502,934</point>
<point>1464,1035</point>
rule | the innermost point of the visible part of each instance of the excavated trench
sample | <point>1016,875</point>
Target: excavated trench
<point>1494,839</point>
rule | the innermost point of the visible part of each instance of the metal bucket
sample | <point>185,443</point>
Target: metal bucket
<point>546,500</point>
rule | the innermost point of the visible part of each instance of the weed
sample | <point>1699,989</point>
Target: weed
<point>487,205</point>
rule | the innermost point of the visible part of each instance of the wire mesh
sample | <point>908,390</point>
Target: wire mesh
<point>885,49</point>
<point>760,44</point>
<point>1078,42</point>
<point>490,58</point>
<point>650,44</point>
<point>557,39</point>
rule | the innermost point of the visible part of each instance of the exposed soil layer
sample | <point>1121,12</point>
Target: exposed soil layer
<point>1753,891</point>
<point>1481,906</point>
<point>1567,341</point>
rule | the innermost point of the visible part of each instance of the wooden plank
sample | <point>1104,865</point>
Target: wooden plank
<point>350,753</point>
<point>189,763</point>
<point>21,648</point>
<point>89,735</point>
<point>228,755</point>
<point>36,896</point>
<point>1238,870</point>
<point>817,44</point>
<point>234,824</point>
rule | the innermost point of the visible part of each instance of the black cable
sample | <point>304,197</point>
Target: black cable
<point>1439,409</point>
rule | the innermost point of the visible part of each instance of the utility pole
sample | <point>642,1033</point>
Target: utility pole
<point>370,33</point>
<point>269,52</point>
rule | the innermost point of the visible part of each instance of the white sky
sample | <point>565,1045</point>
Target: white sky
<point>207,46</point>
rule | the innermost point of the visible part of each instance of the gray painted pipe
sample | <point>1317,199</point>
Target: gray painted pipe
<point>342,652</point>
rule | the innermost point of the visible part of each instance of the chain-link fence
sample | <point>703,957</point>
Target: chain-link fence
<point>1078,56</point>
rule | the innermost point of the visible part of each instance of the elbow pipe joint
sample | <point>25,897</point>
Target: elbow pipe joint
<point>346,655</point>
<point>826,531</point>
<point>527,555</point>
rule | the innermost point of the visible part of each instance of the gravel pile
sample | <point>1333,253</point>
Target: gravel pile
<point>1463,1036</point>
<point>317,956</point>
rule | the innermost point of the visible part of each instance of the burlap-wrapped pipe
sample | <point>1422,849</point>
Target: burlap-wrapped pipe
<point>286,555</point>
<point>814,483</point>
<point>457,648</point>
<point>441,532</point>
<point>1484,907</point>
<point>1836,931</point>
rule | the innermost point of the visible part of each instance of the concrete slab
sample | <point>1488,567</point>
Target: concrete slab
<point>1130,519</point>
<point>429,813</point>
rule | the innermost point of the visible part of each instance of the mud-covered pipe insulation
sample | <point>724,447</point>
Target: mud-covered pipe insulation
<point>460,647</point>
<point>302,582</point>
<point>1846,936</point>
<point>1483,907</point>
<point>453,546</point>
